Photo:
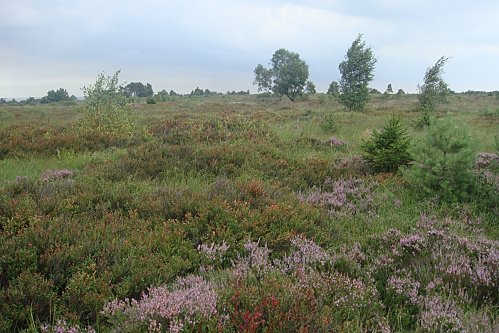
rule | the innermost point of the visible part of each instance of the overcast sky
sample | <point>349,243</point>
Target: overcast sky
<point>180,45</point>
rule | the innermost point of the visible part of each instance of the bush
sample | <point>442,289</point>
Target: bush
<point>387,150</point>
<point>445,160</point>
<point>151,100</point>
<point>330,123</point>
<point>107,109</point>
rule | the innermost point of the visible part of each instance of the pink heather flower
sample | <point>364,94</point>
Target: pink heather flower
<point>335,142</point>
<point>257,261</point>
<point>309,251</point>
<point>441,316</point>
<point>213,251</point>
<point>56,174</point>
<point>405,286</point>
<point>62,327</point>
<point>413,243</point>
<point>188,299</point>
<point>342,197</point>
<point>176,326</point>
<point>484,160</point>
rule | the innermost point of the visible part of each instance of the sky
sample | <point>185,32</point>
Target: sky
<point>216,45</point>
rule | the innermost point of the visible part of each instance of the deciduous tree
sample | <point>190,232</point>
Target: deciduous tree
<point>357,70</point>
<point>288,75</point>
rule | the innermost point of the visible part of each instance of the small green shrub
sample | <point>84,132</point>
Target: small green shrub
<point>151,100</point>
<point>445,160</point>
<point>330,123</point>
<point>388,149</point>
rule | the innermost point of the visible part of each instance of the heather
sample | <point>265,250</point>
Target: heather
<point>245,214</point>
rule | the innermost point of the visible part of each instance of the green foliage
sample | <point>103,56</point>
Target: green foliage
<point>388,149</point>
<point>433,91</point>
<point>400,92</point>
<point>107,109</point>
<point>138,89</point>
<point>151,100</point>
<point>310,88</point>
<point>357,70</point>
<point>334,89</point>
<point>161,96</point>
<point>444,162</point>
<point>56,96</point>
<point>288,75</point>
<point>217,170</point>
<point>330,123</point>
<point>263,78</point>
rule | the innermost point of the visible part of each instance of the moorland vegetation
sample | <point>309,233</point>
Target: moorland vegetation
<point>250,213</point>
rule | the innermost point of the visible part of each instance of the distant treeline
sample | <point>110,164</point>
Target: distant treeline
<point>138,89</point>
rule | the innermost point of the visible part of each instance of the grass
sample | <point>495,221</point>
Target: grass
<point>33,167</point>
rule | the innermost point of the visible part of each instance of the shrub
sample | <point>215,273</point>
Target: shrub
<point>387,150</point>
<point>330,123</point>
<point>445,160</point>
<point>107,110</point>
<point>343,197</point>
<point>151,100</point>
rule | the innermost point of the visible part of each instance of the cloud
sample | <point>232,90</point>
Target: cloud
<point>220,42</point>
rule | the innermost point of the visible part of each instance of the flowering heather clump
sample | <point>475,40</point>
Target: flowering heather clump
<point>412,243</point>
<point>441,315</point>
<point>213,251</point>
<point>62,327</point>
<point>56,174</point>
<point>190,299</point>
<point>336,143</point>
<point>485,160</point>
<point>343,197</point>
<point>307,254</point>
<point>419,280</point>
<point>256,261</point>
<point>431,264</point>
<point>405,286</point>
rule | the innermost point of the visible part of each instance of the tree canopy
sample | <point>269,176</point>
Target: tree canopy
<point>288,75</point>
<point>138,89</point>
<point>434,89</point>
<point>357,70</point>
<point>58,95</point>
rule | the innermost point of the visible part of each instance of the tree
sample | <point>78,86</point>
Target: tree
<point>445,162</point>
<point>288,75</point>
<point>432,93</point>
<point>389,89</point>
<point>334,89</point>
<point>357,70</point>
<point>161,96</point>
<point>197,92</point>
<point>138,89</point>
<point>400,92</point>
<point>387,150</point>
<point>107,110</point>
<point>31,100</point>
<point>434,89</point>
<point>310,88</point>
<point>263,78</point>
<point>56,96</point>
